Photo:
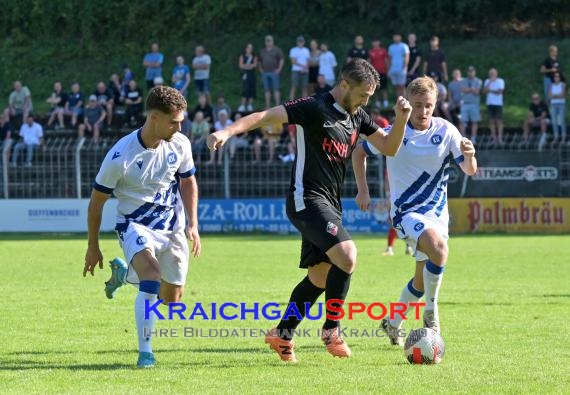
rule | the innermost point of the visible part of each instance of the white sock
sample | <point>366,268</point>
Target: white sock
<point>146,325</point>
<point>433,276</point>
<point>409,295</point>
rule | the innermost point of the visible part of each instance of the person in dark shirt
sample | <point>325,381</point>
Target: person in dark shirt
<point>550,66</point>
<point>358,51</point>
<point>322,86</point>
<point>106,99</point>
<point>435,61</point>
<point>537,117</point>
<point>133,103</point>
<point>327,128</point>
<point>415,59</point>
<point>74,106</point>
<point>205,108</point>
<point>58,100</point>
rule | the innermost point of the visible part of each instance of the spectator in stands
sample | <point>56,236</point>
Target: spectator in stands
<point>19,103</point>
<point>31,134</point>
<point>5,134</point>
<point>322,86</point>
<point>378,57</point>
<point>223,122</point>
<point>248,64</point>
<point>398,60</point>
<point>105,99</point>
<point>115,87</point>
<point>239,141</point>
<point>557,96</point>
<point>494,88</point>
<point>299,56</point>
<point>378,118</point>
<point>272,134</point>
<point>441,104</point>
<point>271,63</point>
<point>415,59</point>
<point>470,103</point>
<point>201,65</point>
<point>181,76</point>
<point>455,96</point>
<point>199,134</point>
<point>550,66</point>
<point>314,60</point>
<point>537,117</point>
<point>57,100</point>
<point>327,64</point>
<point>358,51</point>
<point>133,103</point>
<point>127,76</point>
<point>93,119</point>
<point>153,63</point>
<point>205,108</point>
<point>221,105</point>
<point>74,105</point>
<point>435,61</point>
<point>291,145</point>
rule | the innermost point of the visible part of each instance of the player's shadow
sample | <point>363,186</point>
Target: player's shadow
<point>225,350</point>
<point>35,365</point>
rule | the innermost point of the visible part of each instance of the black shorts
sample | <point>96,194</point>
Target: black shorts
<point>320,224</point>
<point>495,112</point>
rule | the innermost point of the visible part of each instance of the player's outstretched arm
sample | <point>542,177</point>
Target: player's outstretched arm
<point>359,166</point>
<point>243,125</point>
<point>189,195</point>
<point>469,164</point>
<point>94,214</point>
<point>389,144</point>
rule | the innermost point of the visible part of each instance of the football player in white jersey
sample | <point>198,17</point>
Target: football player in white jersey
<point>151,173</point>
<point>418,176</point>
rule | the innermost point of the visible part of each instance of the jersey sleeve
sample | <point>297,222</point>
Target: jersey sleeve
<point>367,125</point>
<point>110,172</point>
<point>187,168</point>
<point>370,149</point>
<point>455,147</point>
<point>302,111</point>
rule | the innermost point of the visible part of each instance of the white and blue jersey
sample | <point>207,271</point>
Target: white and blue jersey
<point>418,175</point>
<point>145,181</point>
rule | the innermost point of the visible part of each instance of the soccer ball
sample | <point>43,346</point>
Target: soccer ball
<point>424,346</point>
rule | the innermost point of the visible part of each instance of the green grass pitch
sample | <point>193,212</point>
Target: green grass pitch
<point>504,307</point>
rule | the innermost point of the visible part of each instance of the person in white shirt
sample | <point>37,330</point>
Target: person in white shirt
<point>151,173</point>
<point>557,96</point>
<point>32,137</point>
<point>299,56</point>
<point>201,65</point>
<point>327,64</point>
<point>418,175</point>
<point>494,88</point>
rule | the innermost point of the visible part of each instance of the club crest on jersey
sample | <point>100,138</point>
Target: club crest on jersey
<point>141,240</point>
<point>171,158</point>
<point>436,139</point>
<point>332,229</point>
<point>419,226</point>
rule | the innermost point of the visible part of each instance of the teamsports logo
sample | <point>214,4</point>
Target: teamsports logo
<point>171,158</point>
<point>332,228</point>
<point>419,226</point>
<point>436,139</point>
<point>141,240</point>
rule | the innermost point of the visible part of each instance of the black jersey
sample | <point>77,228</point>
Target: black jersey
<point>326,136</point>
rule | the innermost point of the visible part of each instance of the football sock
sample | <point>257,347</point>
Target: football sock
<point>338,283</point>
<point>409,295</point>
<point>433,275</point>
<point>148,290</point>
<point>304,292</point>
<point>391,237</point>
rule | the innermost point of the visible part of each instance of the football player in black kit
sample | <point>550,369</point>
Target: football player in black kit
<point>328,126</point>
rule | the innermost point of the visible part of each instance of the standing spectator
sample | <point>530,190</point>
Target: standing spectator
<point>435,60</point>
<point>181,76</point>
<point>379,60</point>
<point>74,106</point>
<point>57,100</point>
<point>494,88</point>
<point>322,86</point>
<point>470,103</point>
<point>358,51</point>
<point>398,59</point>
<point>223,122</point>
<point>201,65</point>
<point>271,63</point>
<point>247,66</point>
<point>415,58</point>
<point>133,103</point>
<point>550,66</point>
<point>205,108</point>
<point>557,97</point>
<point>116,88</point>
<point>32,136</point>
<point>5,134</point>
<point>199,134</point>
<point>105,99</point>
<point>19,103</point>
<point>537,117</point>
<point>299,56</point>
<point>327,64</point>
<point>93,119</point>
<point>455,96</point>
<point>153,63</point>
<point>221,105</point>
<point>314,60</point>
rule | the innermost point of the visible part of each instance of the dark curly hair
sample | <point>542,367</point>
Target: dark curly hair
<point>165,99</point>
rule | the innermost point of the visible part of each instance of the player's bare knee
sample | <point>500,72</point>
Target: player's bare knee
<point>440,252</point>
<point>348,261</point>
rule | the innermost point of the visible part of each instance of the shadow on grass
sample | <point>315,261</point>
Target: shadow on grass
<point>32,365</point>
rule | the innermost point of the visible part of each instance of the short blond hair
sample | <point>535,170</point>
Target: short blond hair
<point>421,86</point>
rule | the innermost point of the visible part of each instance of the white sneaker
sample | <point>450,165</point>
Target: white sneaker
<point>431,320</point>
<point>249,108</point>
<point>409,250</point>
<point>241,108</point>
<point>389,252</point>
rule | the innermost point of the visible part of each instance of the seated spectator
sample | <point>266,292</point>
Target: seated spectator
<point>58,101</point>
<point>19,103</point>
<point>221,105</point>
<point>105,99</point>
<point>223,122</point>
<point>239,141</point>
<point>557,96</point>
<point>5,134</point>
<point>127,76</point>
<point>322,85</point>
<point>272,134</point>
<point>133,103</point>
<point>93,119</point>
<point>537,117</point>
<point>31,134</point>
<point>115,87</point>
<point>199,134</point>
<point>205,108</point>
<point>74,105</point>
<point>291,145</point>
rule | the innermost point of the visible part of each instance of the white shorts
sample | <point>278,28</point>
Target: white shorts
<point>414,224</point>
<point>169,249</point>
